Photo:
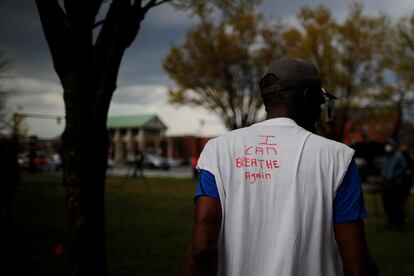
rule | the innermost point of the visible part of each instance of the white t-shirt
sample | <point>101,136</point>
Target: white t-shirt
<point>277,184</point>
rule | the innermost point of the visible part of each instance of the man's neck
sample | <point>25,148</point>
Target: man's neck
<point>291,113</point>
<point>283,112</point>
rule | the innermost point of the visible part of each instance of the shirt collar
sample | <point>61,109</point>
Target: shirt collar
<point>279,121</point>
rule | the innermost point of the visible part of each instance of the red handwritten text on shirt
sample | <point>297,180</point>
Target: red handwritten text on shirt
<point>260,159</point>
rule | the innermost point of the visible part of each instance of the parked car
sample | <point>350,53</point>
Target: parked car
<point>176,162</point>
<point>23,160</point>
<point>55,161</point>
<point>154,161</point>
<point>43,161</point>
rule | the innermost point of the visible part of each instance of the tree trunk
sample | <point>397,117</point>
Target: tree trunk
<point>88,71</point>
<point>85,143</point>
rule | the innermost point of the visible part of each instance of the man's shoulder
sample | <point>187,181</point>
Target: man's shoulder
<point>326,144</point>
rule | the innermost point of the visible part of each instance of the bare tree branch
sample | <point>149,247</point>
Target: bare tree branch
<point>55,26</point>
<point>160,3</point>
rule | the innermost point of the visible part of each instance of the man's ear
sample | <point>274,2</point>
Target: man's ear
<point>306,94</point>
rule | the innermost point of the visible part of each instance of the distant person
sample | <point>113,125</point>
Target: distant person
<point>393,171</point>
<point>138,163</point>
<point>194,161</point>
<point>408,176</point>
<point>33,161</point>
<point>274,199</point>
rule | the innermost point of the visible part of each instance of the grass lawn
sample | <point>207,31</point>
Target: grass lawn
<point>148,226</point>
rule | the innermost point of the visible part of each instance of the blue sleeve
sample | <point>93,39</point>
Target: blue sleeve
<point>207,186</point>
<point>349,201</point>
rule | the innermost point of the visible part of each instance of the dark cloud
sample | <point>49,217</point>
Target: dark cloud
<point>281,8</point>
<point>23,41</point>
<point>22,38</point>
<point>142,61</point>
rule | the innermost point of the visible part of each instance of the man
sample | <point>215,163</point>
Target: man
<point>10,178</point>
<point>194,162</point>
<point>393,173</point>
<point>10,175</point>
<point>275,199</point>
<point>138,163</point>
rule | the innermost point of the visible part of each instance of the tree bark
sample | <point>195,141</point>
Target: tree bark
<point>85,143</point>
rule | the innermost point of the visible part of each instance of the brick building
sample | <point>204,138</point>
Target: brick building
<point>185,147</point>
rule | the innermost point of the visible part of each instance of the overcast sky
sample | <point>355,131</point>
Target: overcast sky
<point>142,83</point>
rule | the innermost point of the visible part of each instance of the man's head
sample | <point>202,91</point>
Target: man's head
<point>390,146</point>
<point>291,87</point>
